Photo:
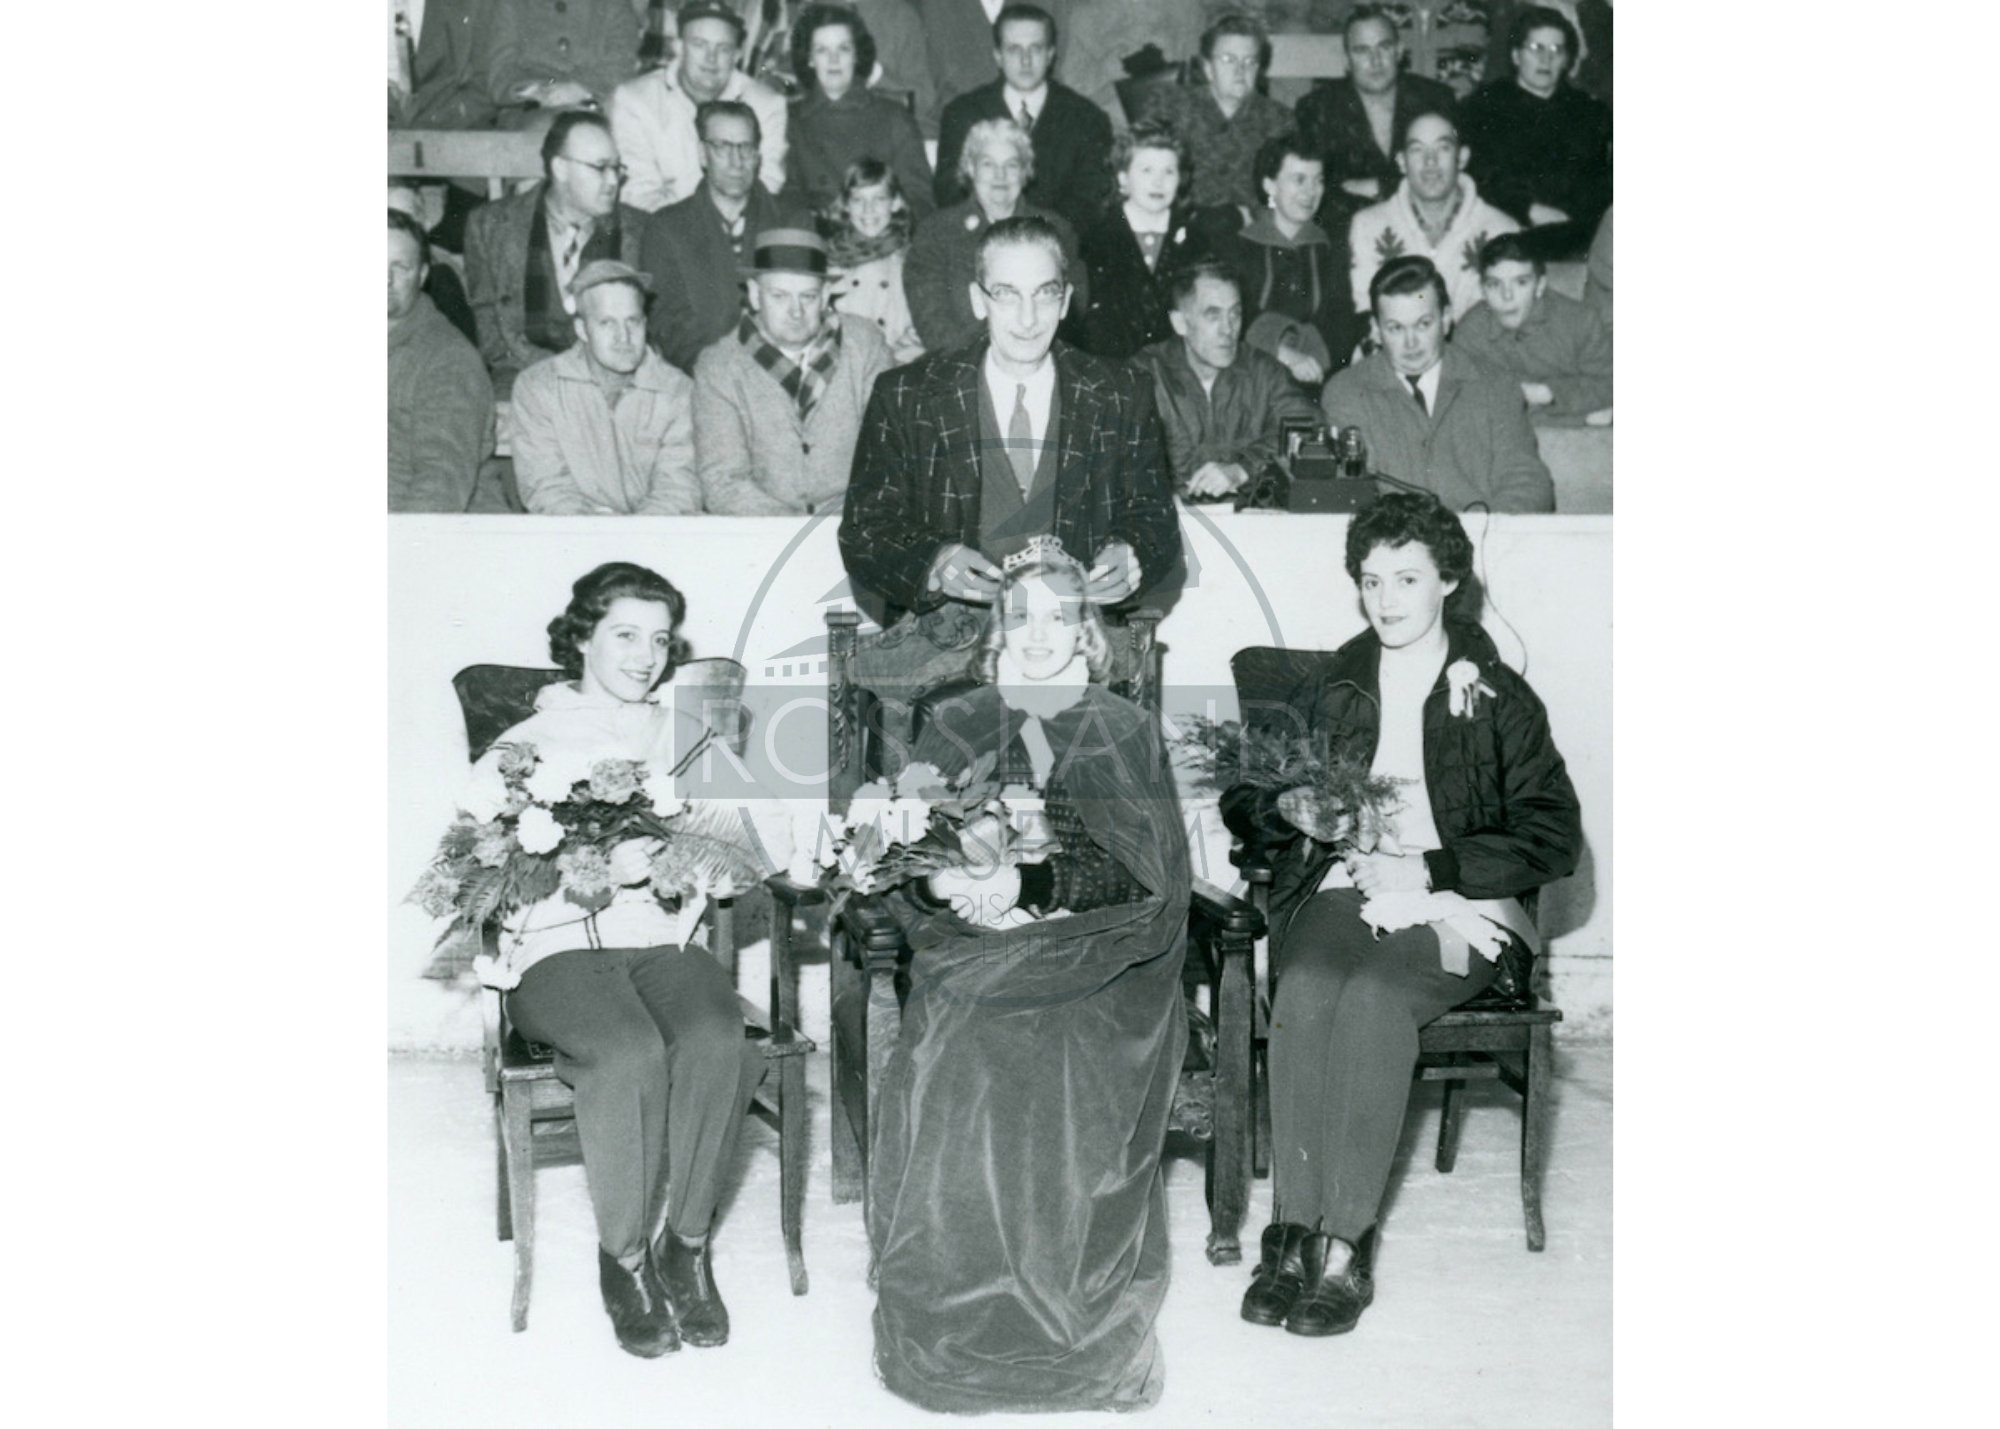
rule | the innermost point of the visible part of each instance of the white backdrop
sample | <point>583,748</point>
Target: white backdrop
<point>466,590</point>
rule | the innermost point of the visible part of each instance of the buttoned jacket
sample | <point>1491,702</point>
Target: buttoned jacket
<point>917,476</point>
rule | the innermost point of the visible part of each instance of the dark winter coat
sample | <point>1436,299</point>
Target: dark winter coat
<point>1554,151</point>
<point>1500,793</point>
<point>1129,302</point>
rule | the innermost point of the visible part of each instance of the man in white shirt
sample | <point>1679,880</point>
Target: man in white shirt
<point>967,453</point>
<point>652,117</point>
<point>1435,213</point>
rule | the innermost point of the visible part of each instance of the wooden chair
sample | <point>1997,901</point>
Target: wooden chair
<point>495,155</point>
<point>868,958</point>
<point>1499,1035</point>
<point>534,1112</point>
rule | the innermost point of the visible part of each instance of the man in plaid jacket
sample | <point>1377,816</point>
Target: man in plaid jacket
<point>967,453</point>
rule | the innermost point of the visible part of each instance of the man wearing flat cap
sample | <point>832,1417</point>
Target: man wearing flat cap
<point>695,248</point>
<point>605,429</point>
<point>778,402</point>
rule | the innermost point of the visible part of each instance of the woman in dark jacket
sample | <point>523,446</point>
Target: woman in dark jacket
<point>1144,233</point>
<point>1298,302</point>
<point>1371,946</point>
<point>838,120</point>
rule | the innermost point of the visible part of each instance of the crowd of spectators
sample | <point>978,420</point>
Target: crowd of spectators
<point>749,210</point>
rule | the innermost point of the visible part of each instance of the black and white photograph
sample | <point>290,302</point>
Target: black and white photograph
<point>1000,726</point>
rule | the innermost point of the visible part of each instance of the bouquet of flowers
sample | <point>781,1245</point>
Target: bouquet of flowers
<point>1337,800</point>
<point>541,828</point>
<point>917,825</point>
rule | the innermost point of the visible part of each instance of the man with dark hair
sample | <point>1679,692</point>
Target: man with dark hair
<point>607,428</point>
<point>1070,134</point>
<point>1357,123</point>
<point>960,35</point>
<point>440,401</point>
<point>693,249</point>
<point>777,402</point>
<point>1431,416</point>
<point>966,454</point>
<point>522,252</point>
<point>653,116</point>
<point>1541,149</point>
<point>1224,120</point>
<point>1221,401</point>
<point>1557,348</point>
<point>1435,213</point>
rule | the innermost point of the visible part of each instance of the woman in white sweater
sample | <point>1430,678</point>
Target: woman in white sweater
<point>647,1031</point>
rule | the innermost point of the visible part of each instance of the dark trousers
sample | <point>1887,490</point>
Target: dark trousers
<point>651,1039</point>
<point>1343,1045</point>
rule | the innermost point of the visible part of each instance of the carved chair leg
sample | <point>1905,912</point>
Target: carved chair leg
<point>518,1136</point>
<point>845,984</point>
<point>1260,1084</point>
<point>1230,1150</point>
<point>1534,1125</point>
<point>792,1164</point>
<point>1448,1120</point>
<point>503,1194</point>
<point>884,1017</point>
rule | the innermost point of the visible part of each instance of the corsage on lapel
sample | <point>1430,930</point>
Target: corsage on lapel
<point>1466,688</point>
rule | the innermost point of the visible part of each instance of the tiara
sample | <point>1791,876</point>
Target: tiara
<point>1039,548</point>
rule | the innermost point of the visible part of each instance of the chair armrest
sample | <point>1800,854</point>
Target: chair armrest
<point>1235,919</point>
<point>873,933</point>
<point>792,893</point>
<point>1254,862</point>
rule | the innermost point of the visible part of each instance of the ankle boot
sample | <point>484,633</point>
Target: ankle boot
<point>1280,1276</point>
<point>1340,1281</point>
<point>640,1315</point>
<point>689,1278</point>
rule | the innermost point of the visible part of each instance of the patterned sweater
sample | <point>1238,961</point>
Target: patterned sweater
<point>1390,229</point>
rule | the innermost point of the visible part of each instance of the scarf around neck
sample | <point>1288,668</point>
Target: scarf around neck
<point>805,382</point>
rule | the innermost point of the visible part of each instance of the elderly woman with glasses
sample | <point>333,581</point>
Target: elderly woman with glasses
<point>997,161</point>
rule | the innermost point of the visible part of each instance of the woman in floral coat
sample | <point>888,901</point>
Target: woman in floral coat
<point>1370,946</point>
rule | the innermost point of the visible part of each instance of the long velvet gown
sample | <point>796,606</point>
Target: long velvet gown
<point>1016,1203</point>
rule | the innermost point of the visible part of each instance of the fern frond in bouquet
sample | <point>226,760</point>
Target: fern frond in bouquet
<point>1343,802</point>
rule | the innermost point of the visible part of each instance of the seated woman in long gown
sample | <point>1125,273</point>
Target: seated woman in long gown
<point>647,1031</point>
<point>1488,815</point>
<point>1015,1196</point>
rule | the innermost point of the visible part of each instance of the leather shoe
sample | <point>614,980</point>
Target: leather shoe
<point>639,1312</point>
<point>689,1278</point>
<point>1340,1277</point>
<point>1280,1276</point>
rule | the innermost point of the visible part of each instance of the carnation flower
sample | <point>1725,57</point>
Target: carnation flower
<point>516,758</point>
<point>586,871</point>
<point>436,893</point>
<point>906,820</point>
<point>550,784</point>
<point>613,781</point>
<point>538,831</point>
<point>494,845</point>
<point>1466,688</point>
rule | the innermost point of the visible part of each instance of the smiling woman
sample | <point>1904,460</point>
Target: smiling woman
<point>647,1030</point>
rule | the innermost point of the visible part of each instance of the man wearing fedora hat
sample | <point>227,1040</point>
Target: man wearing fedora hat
<point>694,249</point>
<point>778,402</point>
<point>604,429</point>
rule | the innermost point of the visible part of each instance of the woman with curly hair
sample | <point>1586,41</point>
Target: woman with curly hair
<point>1147,231</point>
<point>838,119</point>
<point>1372,945</point>
<point>647,1031</point>
<point>1015,1196</point>
<point>868,230</point>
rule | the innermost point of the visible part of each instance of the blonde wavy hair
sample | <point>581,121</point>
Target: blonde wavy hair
<point>1056,568</point>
